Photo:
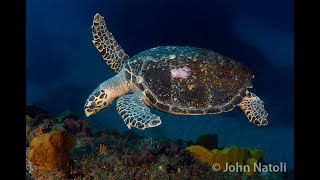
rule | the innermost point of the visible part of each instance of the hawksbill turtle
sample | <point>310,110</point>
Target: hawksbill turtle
<point>179,80</point>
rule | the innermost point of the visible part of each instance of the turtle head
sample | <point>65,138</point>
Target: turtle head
<point>105,94</point>
<point>97,101</point>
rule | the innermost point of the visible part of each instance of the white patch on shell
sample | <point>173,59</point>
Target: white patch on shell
<point>180,72</point>
<point>172,56</point>
<point>139,79</point>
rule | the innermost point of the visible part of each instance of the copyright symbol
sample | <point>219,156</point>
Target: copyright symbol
<point>216,167</point>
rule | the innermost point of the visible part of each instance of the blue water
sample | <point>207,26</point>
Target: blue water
<point>64,67</point>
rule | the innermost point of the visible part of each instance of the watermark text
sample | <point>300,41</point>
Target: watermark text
<point>257,167</point>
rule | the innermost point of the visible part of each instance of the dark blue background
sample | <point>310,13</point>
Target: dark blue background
<point>63,66</point>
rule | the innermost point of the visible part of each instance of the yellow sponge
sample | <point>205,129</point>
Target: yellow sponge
<point>250,162</point>
<point>201,153</point>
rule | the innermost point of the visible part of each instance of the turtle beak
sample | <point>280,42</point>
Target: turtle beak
<point>89,112</point>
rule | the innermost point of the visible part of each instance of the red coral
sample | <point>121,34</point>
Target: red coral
<point>72,125</point>
<point>79,128</point>
<point>39,130</point>
<point>85,128</point>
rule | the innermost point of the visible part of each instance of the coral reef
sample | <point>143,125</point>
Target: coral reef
<point>272,176</point>
<point>38,130</point>
<point>72,125</point>
<point>79,128</point>
<point>49,152</point>
<point>250,162</point>
<point>102,149</point>
<point>237,155</point>
<point>70,150</point>
<point>85,129</point>
<point>46,120</point>
<point>130,156</point>
<point>29,135</point>
<point>28,120</point>
<point>203,154</point>
<point>67,114</point>
<point>102,132</point>
<point>255,153</point>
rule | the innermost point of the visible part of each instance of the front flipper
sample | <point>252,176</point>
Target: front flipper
<point>135,113</point>
<point>111,51</point>
<point>253,107</point>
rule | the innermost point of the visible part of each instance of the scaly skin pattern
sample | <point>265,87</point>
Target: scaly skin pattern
<point>106,92</point>
<point>111,51</point>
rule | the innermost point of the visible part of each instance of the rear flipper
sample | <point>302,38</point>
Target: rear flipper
<point>253,107</point>
<point>135,113</point>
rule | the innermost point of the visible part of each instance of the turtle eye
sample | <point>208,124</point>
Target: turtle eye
<point>92,105</point>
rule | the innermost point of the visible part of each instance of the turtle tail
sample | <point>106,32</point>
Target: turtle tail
<point>111,51</point>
